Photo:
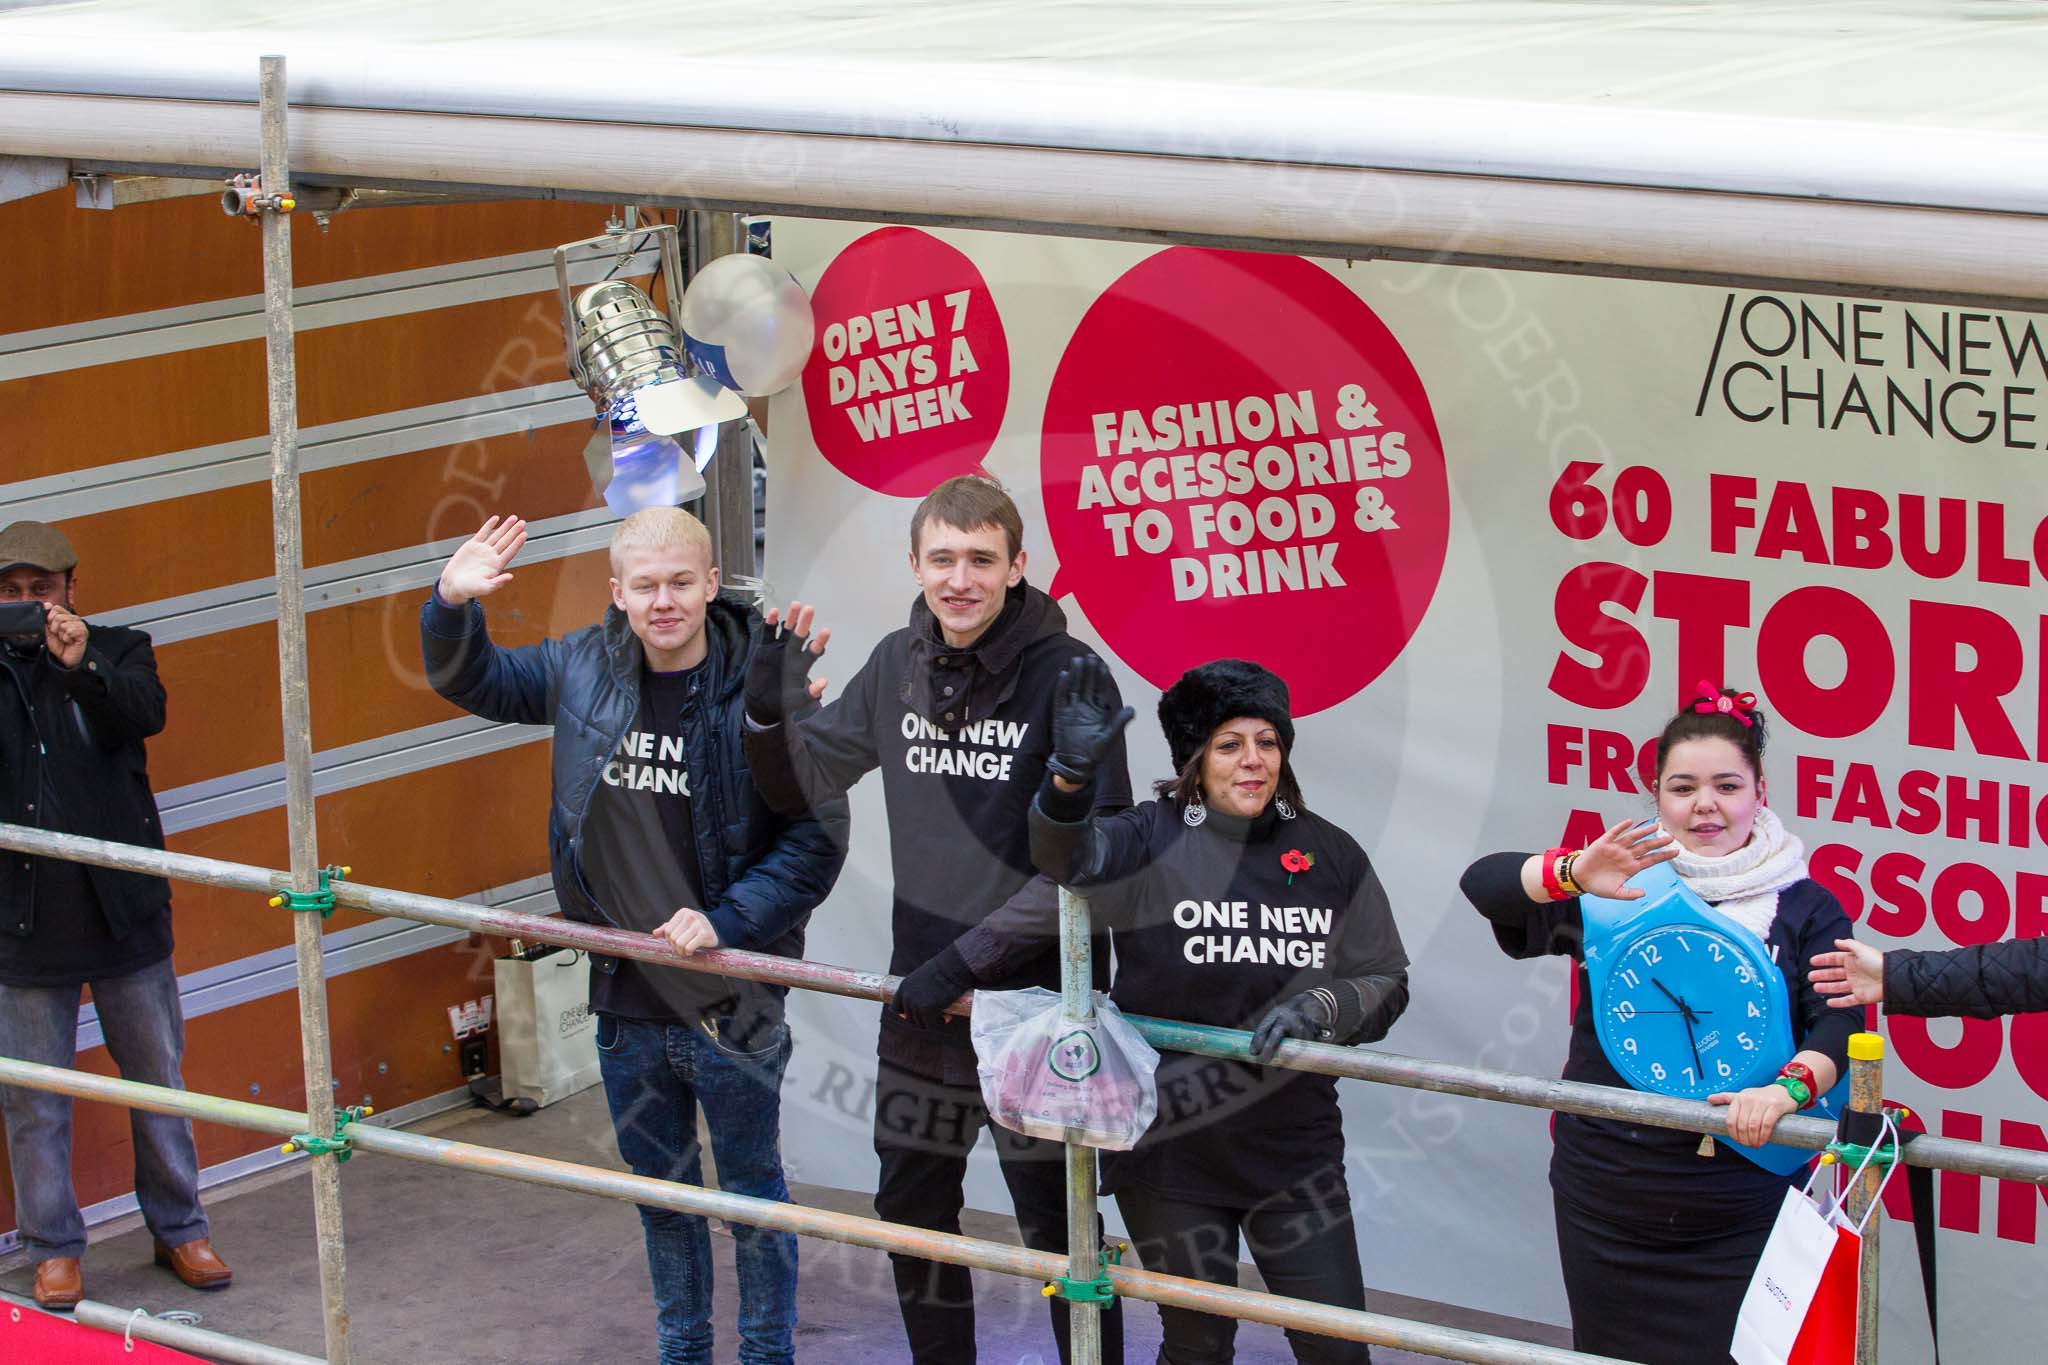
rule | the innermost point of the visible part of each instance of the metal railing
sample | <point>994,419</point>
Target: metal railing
<point>1327,1059</point>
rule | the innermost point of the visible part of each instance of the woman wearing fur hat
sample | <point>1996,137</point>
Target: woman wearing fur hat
<point>1232,905</point>
<point>1658,1232</point>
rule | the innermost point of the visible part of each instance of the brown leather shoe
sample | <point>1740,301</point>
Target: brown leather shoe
<point>196,1263</point>
<point>60,1283</point>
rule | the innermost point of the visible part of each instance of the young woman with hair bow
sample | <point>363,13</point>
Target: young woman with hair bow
<point>1659,1231</point>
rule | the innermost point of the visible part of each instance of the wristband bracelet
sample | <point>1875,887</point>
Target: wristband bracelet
<point>1553,883</point>
<point>1797,1089</point>
<point>1566,865</point>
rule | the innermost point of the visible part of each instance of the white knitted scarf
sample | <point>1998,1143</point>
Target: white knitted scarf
<point>1744,885</point>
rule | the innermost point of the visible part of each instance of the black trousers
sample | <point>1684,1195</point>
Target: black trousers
<point>924,1130</point>
<point>1302,1253</point>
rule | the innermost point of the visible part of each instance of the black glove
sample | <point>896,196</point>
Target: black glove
<point>1085,722</point>
<point>922,996</point>
<point>778,674</point>
<point>1309,1015</point>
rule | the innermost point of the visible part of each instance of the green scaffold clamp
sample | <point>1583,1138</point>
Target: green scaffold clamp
<point>321,900</point>
<point>1088,1291</point>
<point>1855,1155</point>
<point>337,1146</point>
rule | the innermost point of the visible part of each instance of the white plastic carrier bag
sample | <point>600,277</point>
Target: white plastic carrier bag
<point>547,1036</point>
<point>1050,1076</point>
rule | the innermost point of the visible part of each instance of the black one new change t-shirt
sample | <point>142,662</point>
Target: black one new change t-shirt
<point>640,855</point>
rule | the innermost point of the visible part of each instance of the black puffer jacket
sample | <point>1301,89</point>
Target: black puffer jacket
<point>762,874</point>
<point>1982,982</point>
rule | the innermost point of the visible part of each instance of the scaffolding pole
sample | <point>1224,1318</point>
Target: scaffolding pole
<point>1866,1096</point>
<point>1328,1059</point>
<point>283,384</point>
<point>849,1229</point>
<point>1084,1243</point>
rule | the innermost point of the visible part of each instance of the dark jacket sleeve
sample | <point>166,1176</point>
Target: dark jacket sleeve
<point>1098,854</point>
<point>1028,923</point>
<point>1370,966</point>
<point>1522,927</point>
<point>465,667</point>
<point>116,687</point>
<point>816,756</point>
<point>1979,982</point>
<point>779,892</point>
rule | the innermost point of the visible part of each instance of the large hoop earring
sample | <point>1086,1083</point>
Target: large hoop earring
<point>1194,813</point>
<point>1287,812</point>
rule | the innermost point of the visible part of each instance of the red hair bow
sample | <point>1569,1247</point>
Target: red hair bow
<point>1739,706</point>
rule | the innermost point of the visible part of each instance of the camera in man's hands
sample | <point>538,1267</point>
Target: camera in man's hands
<point>23,620</point>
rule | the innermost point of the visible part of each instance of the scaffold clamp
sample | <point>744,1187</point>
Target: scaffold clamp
<point>337,1146</point>
<point>321,900</point>
<point>1088,1291</point>
<point>1857,1155</point>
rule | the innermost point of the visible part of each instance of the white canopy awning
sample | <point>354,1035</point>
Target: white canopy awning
<point>1901,147</point>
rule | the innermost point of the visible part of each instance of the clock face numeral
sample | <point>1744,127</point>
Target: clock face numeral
<point>1684,1012</point>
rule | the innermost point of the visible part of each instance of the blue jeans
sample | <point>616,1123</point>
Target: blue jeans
<point>145,1033</point>
<point>655,1076</point>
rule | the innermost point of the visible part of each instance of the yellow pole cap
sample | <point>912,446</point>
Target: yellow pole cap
<point>1866,1047</point>
<point>276,901</point>
<point>1048,1291</point>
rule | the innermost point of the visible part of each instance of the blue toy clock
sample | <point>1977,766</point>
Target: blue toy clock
<point>1686,1002</point>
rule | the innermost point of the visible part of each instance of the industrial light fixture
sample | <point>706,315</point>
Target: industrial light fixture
<point>657,422</point>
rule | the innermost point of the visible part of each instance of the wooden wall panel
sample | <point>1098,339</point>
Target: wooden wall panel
<point>367,680</point>
<point>103,414</point>
<point>447,831</point>
<point>184,251</point>
<point>185,545</point>
<point>450,830</point>
<point>393,1016</point>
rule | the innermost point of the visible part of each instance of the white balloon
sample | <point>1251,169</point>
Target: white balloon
<point>747,323</point>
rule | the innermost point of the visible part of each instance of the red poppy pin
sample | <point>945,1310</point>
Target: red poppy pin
<point>1294,860</point>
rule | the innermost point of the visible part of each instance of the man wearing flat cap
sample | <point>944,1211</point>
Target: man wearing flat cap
<point>76,703</point>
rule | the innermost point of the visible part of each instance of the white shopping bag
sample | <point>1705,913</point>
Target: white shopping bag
<point>1802,1300</point>
<point>1782,1289</point>
<point>1054,1077</point>
<point>547,1036</point>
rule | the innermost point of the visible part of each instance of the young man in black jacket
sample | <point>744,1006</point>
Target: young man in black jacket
<point>955,710</point>
<point>76,703</point>
<point>655,826</point>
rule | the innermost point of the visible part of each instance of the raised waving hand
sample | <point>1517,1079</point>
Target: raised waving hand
<point>478,568</point>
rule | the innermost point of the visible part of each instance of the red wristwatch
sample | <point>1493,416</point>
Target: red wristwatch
<point>1802,1073</point>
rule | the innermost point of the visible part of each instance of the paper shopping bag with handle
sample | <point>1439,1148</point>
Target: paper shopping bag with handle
<point>1788,1275</point>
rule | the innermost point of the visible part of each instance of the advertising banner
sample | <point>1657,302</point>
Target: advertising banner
<point>1492,527</point>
